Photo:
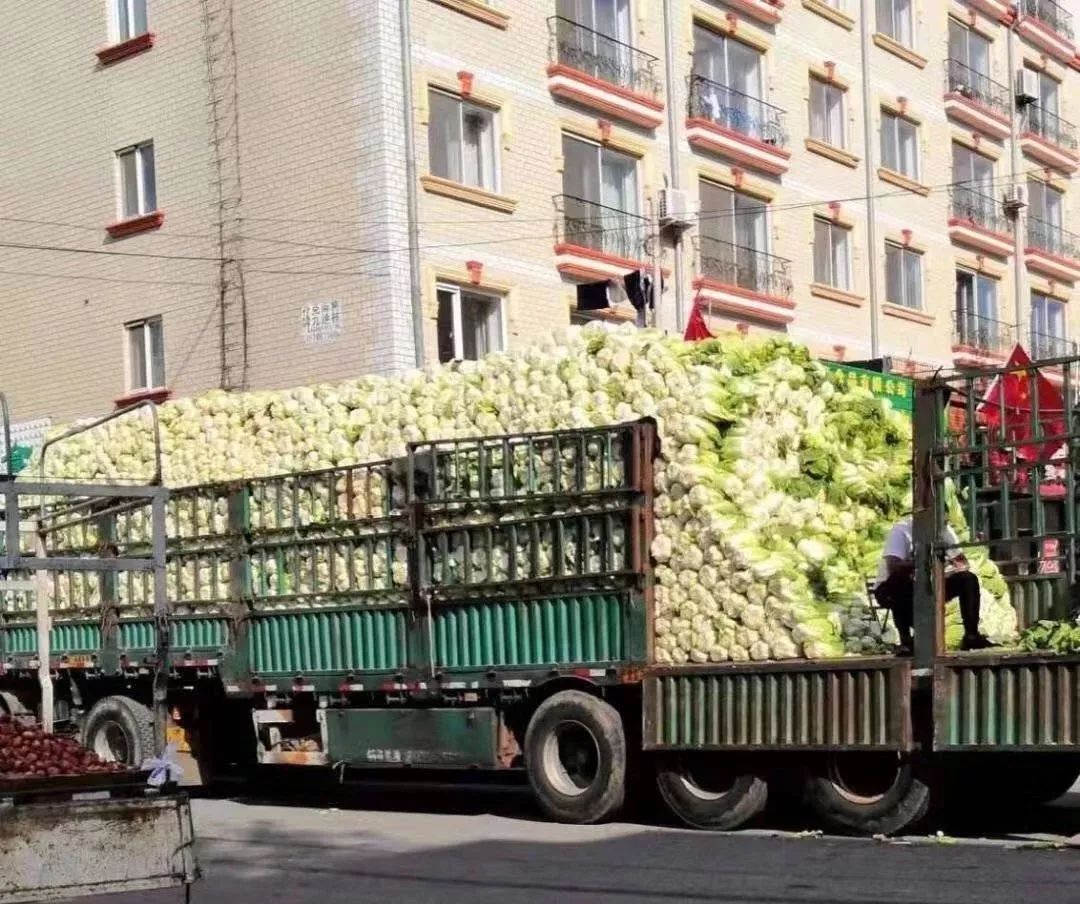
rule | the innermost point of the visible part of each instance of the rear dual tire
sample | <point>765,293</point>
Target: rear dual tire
<point>867,793</point>
<point>710,791</point>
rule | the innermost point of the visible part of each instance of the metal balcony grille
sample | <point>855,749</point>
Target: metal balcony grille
<point>599,228</point>
<point>1044,346</point>
<point>981,333</point>
<point>984,211</point>
<point>1052,239</point>
<point>1051,14</point>
<point>1050,126</point>
<point>747,268</point>
<point>967,82</point>
<point>602,57</point>
<point>738,112</point>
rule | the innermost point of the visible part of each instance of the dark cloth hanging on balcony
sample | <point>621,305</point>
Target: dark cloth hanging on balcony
<point>594,296</point>
<point>639,289</point>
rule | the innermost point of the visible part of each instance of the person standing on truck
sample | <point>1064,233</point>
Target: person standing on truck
<point>895,588</point>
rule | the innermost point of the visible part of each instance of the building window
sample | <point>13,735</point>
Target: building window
<point>976,315</point>
<point>899,144</point>
<point>130,19</point>
<point>827,113</point>
<point>1049,93</point>
<point>470,323</point>
<point>727,87</point>
<point>969,48</point>
<point>735,239</point>
<point>896,19</point>
<point>903,276</point>
<point>145,355</point>
<point>595,36</point>
<point>1045,204</point>
<point>462,141</point>
<point>832,254</point>
<point>1047,327</point>
<point>138,184</point>
<point>600,199</point>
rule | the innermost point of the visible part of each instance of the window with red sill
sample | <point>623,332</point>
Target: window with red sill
<point>129,20</point>
<point>145,359</point>
<point>137,186</point>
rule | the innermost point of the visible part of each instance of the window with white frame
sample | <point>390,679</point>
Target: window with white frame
<point>827,113</point>
<point>832,254</point>
<point>903,276</point>
<point>462,140</point>
<point>138,182</point>
<point>129,19</point>
<point>470,323</point>
<point>899,144</point>
<point>977,322</point>
<point>896,19</point>
<point>1047,327</point>
<point>969,49</point>
<point>1045,204</point>
<point>145,355</point>
<point>734,239</point>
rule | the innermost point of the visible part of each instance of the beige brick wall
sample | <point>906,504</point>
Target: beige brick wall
<point>322,214</point>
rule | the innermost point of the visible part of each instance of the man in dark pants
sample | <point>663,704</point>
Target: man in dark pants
<point>895,588</point>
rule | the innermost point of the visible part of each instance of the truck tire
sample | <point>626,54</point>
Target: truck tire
<point>867,793</point>
<point>705,793</point>
<point>120,730</point>
<point>575,755</point>
<point>1019,780</point>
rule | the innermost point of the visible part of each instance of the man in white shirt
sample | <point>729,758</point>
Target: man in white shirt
<point>895,589</point>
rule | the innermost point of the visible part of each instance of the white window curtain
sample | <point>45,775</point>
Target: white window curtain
<point>827,113</point>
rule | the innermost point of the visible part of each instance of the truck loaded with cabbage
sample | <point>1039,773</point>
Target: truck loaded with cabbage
<point>613,541</point>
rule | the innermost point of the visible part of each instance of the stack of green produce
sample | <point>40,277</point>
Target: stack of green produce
<point>774,490</point>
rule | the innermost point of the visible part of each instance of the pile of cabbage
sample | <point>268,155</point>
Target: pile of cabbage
<point>774,489</point>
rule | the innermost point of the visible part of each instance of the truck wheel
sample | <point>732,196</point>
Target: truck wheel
<point>575,755</point>
<point>706,793</point>
<point>867,793</point>
<point>1019,780</point>
<point>119,730</point>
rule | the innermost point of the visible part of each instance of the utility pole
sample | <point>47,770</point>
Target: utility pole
<point>868,166</point>
<point>412,201</point>
<point>673,153</point>
<point>1015,207</point>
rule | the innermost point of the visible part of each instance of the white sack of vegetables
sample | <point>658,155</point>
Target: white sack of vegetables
<point>774,491</point>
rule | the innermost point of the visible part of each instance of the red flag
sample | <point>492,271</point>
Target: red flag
<point>1010,402</point>
<point>696,328</point>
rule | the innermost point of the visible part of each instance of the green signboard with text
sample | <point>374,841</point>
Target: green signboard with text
<point>900,391</point>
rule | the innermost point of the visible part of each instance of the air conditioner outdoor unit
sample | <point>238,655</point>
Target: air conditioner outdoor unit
<point>675,208</point>
<point>1027,86</point>
<point>1013,199</point>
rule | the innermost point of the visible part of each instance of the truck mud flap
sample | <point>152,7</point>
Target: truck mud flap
<point>798,705</point>
<point>53,851</point>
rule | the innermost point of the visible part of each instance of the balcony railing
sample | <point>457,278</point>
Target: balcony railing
<point>1051,14</point>
<point>967,82</point>
<point>1050,126</point>
<point>605,229</point>
<point>747,268</point>
<point>603,57</point>
<point>738,112</point>
<point>1052,239</point>
<point>1045,346</point>
<point>984,211</point>
<point>981,333</point>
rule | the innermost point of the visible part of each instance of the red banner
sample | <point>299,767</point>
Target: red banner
<point>1010,402</point>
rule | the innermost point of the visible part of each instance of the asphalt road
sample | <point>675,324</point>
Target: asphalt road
<point>452,846</point>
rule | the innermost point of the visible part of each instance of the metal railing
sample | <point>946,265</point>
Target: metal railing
<point>1052,239</point>
<point>1044,346</point>
<point>1049,126</point>
<point>1051,14</point>
<point>602,56</point>
<point>736,111</point>
<point>746,268</point>
<point>984,211</point>
<point>982,333</point>
<point>599,228</point>
<point>967,82</point>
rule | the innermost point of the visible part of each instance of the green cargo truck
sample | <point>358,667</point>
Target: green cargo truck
<point>453,610</point>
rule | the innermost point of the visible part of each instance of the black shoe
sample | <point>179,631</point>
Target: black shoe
<point>976,642</point>
<point>904,650</point>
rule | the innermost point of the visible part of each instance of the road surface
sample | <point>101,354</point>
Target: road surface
<point>492,852</point>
